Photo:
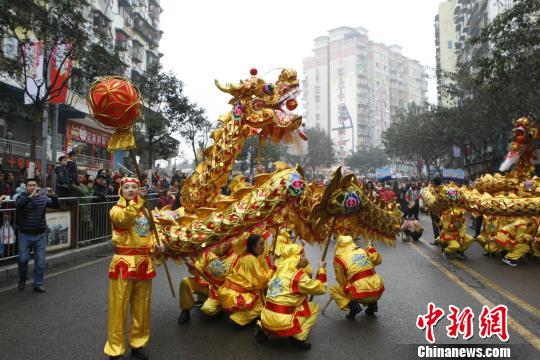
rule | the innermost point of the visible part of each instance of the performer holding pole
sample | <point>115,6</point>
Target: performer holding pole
<point>116,104</point>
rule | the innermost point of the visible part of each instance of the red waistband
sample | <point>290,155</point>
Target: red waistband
<point>362,274</point>
<point>233,286</point>
<point>132,251</point>
<point>280,309</point>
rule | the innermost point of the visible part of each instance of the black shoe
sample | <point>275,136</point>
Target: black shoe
<point>354,309</point>
<point>460,255</point>
<point>139,353</point>
<point>303,345</point>
<point>39,289</point>
<point>184,317</point>
<point>372,309</point>
<point>486,254</point>
<point>433,243</point>
<point>22,284</point>
<point>260,335</point>
<point>116,357</point>
<point>509,262</point>
<point>537,259</point>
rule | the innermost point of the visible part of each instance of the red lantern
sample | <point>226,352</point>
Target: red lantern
<point>115,102</point>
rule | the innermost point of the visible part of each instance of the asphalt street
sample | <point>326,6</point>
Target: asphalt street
<point>70,320</point>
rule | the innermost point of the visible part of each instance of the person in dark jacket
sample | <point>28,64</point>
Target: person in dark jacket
<point>73,175</point>
<point>62,177</point>
<point>32,223</point>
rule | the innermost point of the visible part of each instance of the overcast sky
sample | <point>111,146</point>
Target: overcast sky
<point>204,40</point>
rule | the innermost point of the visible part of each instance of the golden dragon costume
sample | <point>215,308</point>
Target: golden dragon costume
<point>207,218</point>
<point>510,202</point>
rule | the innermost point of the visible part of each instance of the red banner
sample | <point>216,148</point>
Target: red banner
<point>59,72</point>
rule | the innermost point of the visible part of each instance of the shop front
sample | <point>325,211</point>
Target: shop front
<point>90,144</point>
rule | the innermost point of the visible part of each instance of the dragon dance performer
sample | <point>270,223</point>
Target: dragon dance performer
<point>287,312</point>
<point>357,281</point>
<point>535,246</point>
<point>454,238</point>
<point>490,227</point>
<point>214,264</point>
<point>240,295</point>
<point>130,273</point>
<point>514,239</point>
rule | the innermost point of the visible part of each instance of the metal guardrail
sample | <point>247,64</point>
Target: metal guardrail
<point>91,223</point>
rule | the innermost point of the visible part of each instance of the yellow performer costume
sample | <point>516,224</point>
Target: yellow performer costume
<point>287,311</point>
<point>214,268</point>
<point>535,245</point>
<point>240,294</point>
<point>356,277</point>
<point>454,238</point>
<point>490,227</point>
<point>130,275</point>
<point>514,239</point>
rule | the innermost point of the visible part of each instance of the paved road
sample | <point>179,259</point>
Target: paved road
<point>69,321</point>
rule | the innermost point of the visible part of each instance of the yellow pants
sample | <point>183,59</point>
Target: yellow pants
<point>244,317</point>
<point>453,246</point>
<point>188,287</point>
<point>307,323</point>
<point>518,251</point>
<point>137,294</point>
<point>342,300</point>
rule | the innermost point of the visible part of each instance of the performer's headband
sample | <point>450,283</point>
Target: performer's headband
<point>127,180</point>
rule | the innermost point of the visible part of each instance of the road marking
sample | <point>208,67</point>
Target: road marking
<point>509,295</point>
<point>8,288</point>
<point>520,329</point>
<point>505,293</point>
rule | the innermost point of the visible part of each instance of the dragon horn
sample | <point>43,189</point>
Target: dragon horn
<point>227,88</point>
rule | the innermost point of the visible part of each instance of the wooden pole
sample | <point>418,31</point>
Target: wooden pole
<point>323,257</point>
<point>273,250</point>
<point>326,305</point>
<point>150,218</point>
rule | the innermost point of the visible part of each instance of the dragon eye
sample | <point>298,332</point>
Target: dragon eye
<point>268,89</point>
<point>258,104</point>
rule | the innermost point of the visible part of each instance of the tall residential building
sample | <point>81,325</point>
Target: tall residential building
<point>132,26</point>
<point>445,44</point>
<point>470,17</point>
<point>369,82</point>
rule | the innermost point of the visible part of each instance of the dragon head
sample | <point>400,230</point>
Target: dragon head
<point>266,108</point>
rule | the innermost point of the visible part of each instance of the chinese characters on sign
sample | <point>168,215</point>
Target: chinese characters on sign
<point>490,323</point>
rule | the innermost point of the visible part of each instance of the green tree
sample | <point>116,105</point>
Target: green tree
<point>321,150</point>
<point>166,108</point>
<point>415,136</point>
<point>195,128</point>
<point>366,161</point>
<point>57,25</point>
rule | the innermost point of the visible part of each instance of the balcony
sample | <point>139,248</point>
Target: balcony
<point>137,54</point>
<point>143,27</point>
<point>22,149</point>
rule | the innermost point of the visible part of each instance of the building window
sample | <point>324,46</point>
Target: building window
<point>340,71</point>
<point>317,117</point>
<point>449,44</point>
<point>317,90</point>
<point>317,98</point>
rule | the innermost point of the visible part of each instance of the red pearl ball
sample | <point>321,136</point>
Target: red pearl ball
<point>291,104</point>
<point>253,71</point>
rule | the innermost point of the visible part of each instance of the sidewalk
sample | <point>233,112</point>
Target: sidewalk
<point>10,272</point>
